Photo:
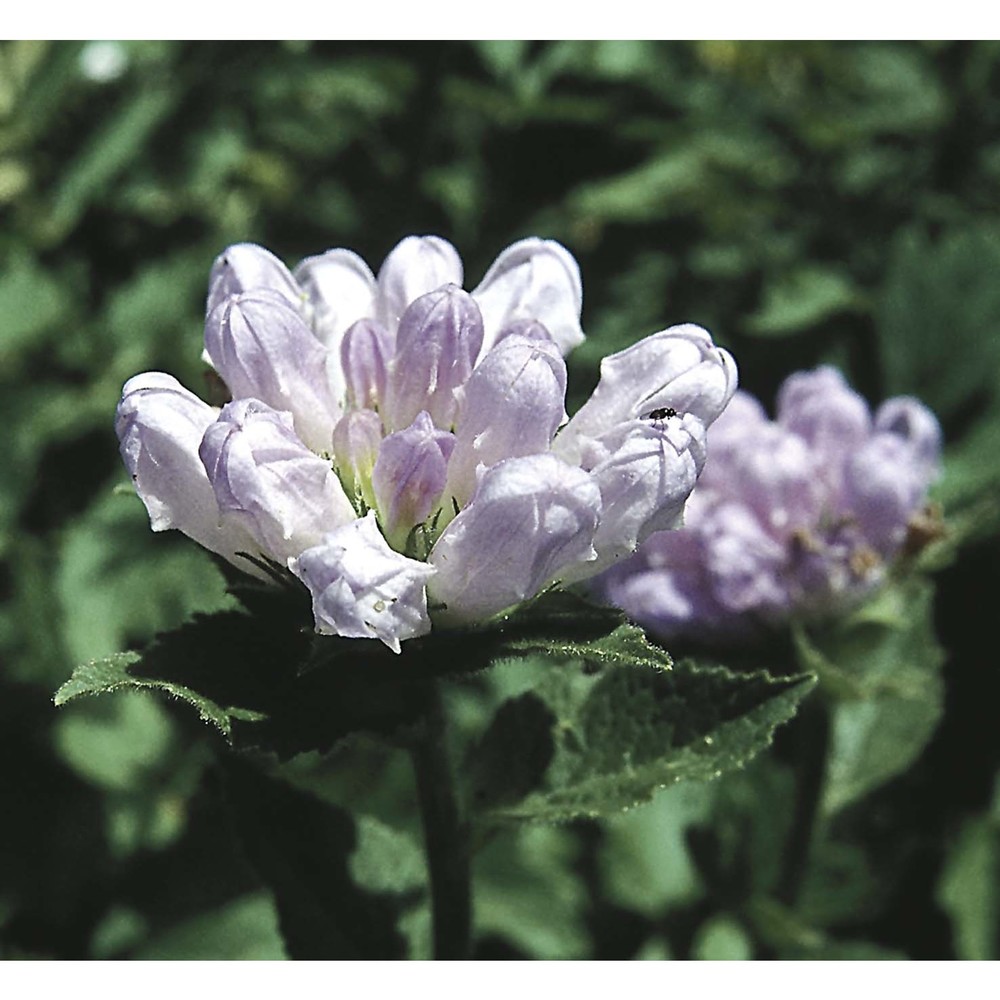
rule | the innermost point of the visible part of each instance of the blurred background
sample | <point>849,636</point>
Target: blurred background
<point>807,202</point>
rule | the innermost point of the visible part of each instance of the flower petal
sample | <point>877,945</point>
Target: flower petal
<point>356,440</point>
<point>160,426</point>
<point>914,423</point>
<point>822,409</point>
<point>283,494</point>
<point>340,289</point>
<point>645,478</point>
<point>417,265</point>
<point>364,359</point>
<point>883,487</point>
<point>246,267</point>
<point>363,589</point>
<point>515,401</point>
<point>530,519</point>
<point>533,279</point>
<point>264,350</point>
<point>678,368</point>
<point>436,348</point>
<point>409,476</point>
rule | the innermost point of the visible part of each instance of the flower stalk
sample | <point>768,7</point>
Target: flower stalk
<point>812,743</point>
<point>446,837</point>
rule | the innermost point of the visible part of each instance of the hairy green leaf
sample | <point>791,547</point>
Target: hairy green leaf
<point>616,722</point>
<point>265,680</point>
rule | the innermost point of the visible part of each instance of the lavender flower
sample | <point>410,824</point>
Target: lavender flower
<point>401,445</point>
<point>799,516</point>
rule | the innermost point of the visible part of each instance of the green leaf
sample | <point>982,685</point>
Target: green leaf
<point>341,883</point>
<point>264,679</point>
<point>644,860</point>
<point>123,671</point>
<point>721,939</point>
<point>32,305</point>
<point>842,884</point>
<point>616,722</point>
<point>829,950</point>
<point>800,299</point>
<point>968,890</point>
<point>738,848</point>
<point>117,745</point>
<point>784,931</point>
<point>882,666</point>
<point>660,187</point>
<point>107,154</point>
<point>938,315</point>
<point>243,930</point>
<point>528,892</point>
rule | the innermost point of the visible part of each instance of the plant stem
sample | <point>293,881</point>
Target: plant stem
<point>446,838</point>
<point>812,744</point>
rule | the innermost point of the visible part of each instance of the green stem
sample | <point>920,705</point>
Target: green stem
<point>446,838</point>
<point>812,744</point>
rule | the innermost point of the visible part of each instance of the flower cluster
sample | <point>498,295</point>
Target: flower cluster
<point>401,445</point>
<point>799,516</point>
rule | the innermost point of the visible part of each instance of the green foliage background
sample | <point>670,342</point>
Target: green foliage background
<point>807,202</point>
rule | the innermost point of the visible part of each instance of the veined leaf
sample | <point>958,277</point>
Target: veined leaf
<point>124,671</point>
<point>605,731</point>
<point>882,665</point>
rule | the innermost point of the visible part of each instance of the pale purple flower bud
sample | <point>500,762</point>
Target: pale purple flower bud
<point>530,519</point>
<point>645,471</point>
<point>774,473</point>
<point>417,265</point>
<point>246,267</point>
<point>284,496</point>
<point>160,426</point>
<point>884,485</point>
<point>364,355</point>
<point>909,419</point>
<point>722,577</point>
<point>340,289</point>
<point>737,425</point>
<point>356,440</point>
<point>796,517</point>
<point>263,350</point>
<point>409,476</point>
<point>533,279</point>
<point>678,368</point>
<point>828,415</point>
<point>515,402</point>
<point>667,587</point>
<point>436,348</point>
<point>744,562</point>
<point>363,589</point>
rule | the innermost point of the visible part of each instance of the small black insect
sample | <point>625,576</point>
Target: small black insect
<point>661,413</point>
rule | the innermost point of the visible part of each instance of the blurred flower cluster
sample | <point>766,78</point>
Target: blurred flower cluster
<point>402,445</point>
<point>796,517</point>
